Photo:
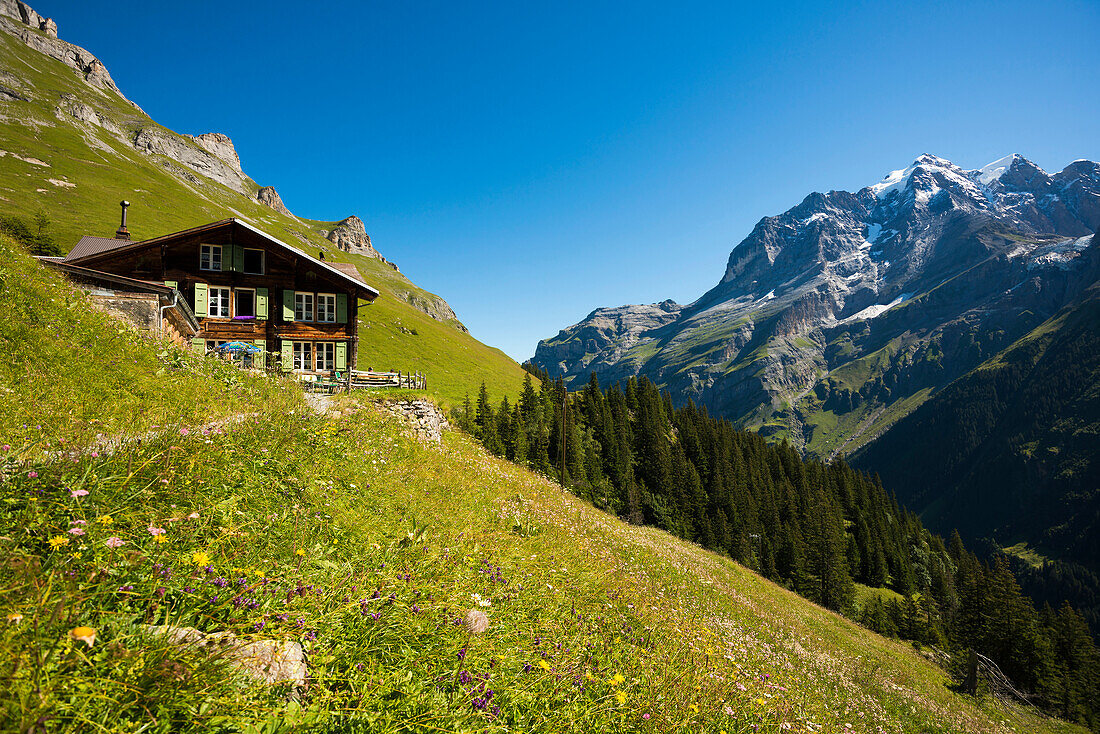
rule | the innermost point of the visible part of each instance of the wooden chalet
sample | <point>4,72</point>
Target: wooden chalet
<point>244,285</point>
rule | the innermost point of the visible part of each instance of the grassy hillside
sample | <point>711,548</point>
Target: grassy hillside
<point>370,548</point>
<point>76,172</point>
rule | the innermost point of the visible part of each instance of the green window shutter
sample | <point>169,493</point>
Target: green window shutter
<point>287,348</point>
<point>341,308</point>
<point>202,299</point>
<point>261,303</point>
<point>341,355</point>
<point>172,284</point>
<point>260,360</point>
<point>235,258</point>
<point>198,344</point>
<point>288,305</point>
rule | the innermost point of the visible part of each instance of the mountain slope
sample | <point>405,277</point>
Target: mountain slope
<point>839,316</point>
<point>344,534</point>
<point>71,147</point>
<point>1011,451</point>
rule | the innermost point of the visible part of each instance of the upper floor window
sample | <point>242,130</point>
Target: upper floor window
<point>303,307</point>
<point>218,303</point>
<point>253,262</point>
<point>210,257</point>
<point>326,307</point>
<point>245,303</point>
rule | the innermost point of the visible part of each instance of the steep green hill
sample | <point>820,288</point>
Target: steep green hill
<point>69,149</point>
<point>1011,451</point>
<point>343,532</point>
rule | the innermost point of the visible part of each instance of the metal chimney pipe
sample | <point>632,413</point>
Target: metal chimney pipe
<point>122,233</point>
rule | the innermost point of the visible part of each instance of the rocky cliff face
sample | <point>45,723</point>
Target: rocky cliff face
<point>840,315</point>
<point>350,235</point>
<point>221,147</point>
<point>268,196</point>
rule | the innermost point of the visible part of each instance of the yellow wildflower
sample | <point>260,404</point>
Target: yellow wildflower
<point>160,538</point>
<point>83,634</point>
<point>299,552</point>
<point>694,708</point>
<point>620,697</point>
<point>106,519</point>
<point>200,559</point>
<point>58,540</point>
<point>544,665</point>
<point>617,679</point>
<point>15,618</point>
<point>760,702</point>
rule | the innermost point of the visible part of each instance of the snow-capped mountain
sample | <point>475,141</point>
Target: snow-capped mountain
<point>839,315</point>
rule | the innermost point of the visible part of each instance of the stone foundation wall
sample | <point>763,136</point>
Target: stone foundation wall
<point>426,419</point>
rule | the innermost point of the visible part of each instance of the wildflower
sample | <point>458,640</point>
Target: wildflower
<point>161,538</point>
<point>83,634</point>
<point>58,540</point>
<point>127,587</point>
<point>620,697</point>
<point>694,708</point>
<point>760,702</point>
<point>462,654</point>
<point>32,475</point>
<point>299,552</point>
<point>617,679</point>
<point>646,716</point>
<point>115,542</point>
<point>76,531</point>
<point>544,665</point>
<point>78,493</point>
<point>184,431</point>
<point>477,621</point>
<point>481,602</point>
<point>200,559</point>
<point>155,531</point>
<point>15,618</point>
<point>106,519</point>
<point>193,516</point>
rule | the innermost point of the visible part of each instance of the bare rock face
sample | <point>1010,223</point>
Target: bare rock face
<point>351,235</point>
<point>153,140</point>
<point>221,146</point>
<point>269,196</point>
<point>71,106</point>
<point>26,15</point>
<point>44,40</point>
<point>434,306</point>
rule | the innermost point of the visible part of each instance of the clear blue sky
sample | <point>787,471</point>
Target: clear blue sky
<point>532,161</point>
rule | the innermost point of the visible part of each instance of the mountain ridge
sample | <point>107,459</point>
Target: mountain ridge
<point>822,309</point>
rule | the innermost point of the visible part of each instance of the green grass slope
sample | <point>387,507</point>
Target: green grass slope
<point>76,173</point>
<point>343,532</point>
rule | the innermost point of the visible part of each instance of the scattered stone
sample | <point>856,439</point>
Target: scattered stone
<point>61,184</point>
<point>12,94</point>
<point>268,661</point>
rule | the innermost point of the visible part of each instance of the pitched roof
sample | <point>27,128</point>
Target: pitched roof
<point>89,245</point>
<point>348,269</point>
<point>116,245</point>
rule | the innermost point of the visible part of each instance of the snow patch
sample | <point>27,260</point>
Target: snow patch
<point>813,218</point>
<point>877,310</point>
<point>991,172</point>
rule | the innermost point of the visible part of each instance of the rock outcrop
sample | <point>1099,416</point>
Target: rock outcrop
<point>350,235</point>
<point>268,196</point>
<point>221,147</point>
<point>432,305</point>
<point>156,140</point>
<point>26,15</point>
<point>40,34</point>
<point>426,420</point>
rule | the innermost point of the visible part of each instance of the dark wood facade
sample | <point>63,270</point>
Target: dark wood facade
<point>244,285</point>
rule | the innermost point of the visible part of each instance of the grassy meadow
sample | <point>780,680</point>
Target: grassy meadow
<point>375,551</point>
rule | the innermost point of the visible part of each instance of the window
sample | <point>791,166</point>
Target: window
<point>303,307</point>
<point>326,307</point>
<point>326,356</point>
<point>244,306</point>
<point>303,356</point>
<point>218,303</point>
<point>210,257</point>
<point>254,262</point>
